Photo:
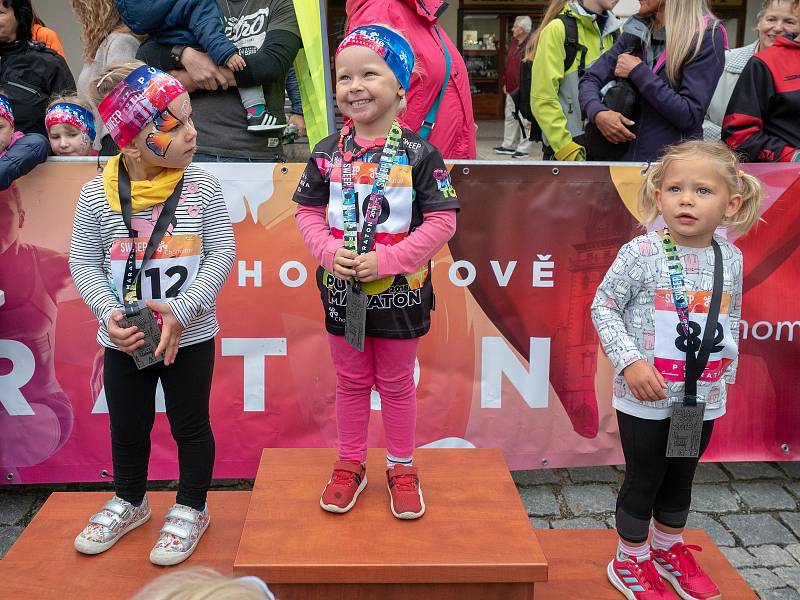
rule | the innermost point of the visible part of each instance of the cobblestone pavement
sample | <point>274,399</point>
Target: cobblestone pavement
<point>750,510</point>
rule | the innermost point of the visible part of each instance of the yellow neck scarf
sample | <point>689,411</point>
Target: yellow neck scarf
<point>144,193</point>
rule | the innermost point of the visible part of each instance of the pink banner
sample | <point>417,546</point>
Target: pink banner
<point>512,359</point>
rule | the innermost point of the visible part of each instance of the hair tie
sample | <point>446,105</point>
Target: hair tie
<point>69,113</point>
<point>389,45</point>
<point>136,100</point>
<point>103,78</point>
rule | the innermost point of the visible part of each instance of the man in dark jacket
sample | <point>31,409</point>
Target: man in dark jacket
<point>762,121</point>
<point>268,38</point>
<point>30,73</point>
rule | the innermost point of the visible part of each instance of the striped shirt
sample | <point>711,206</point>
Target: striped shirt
<point>187,271</point>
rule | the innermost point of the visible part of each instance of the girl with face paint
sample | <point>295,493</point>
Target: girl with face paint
<point>148,114</point>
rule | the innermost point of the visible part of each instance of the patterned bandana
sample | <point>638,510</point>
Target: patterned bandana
<point>135,102</point>
<point>387,44</point>
<point>5,110</point>
<point>71,114</point>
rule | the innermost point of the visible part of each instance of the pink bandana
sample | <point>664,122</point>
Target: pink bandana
<point>136,100</point>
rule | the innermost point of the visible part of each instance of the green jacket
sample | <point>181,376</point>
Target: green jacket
<point>554,92</point>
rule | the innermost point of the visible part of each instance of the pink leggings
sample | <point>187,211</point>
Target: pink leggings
<point>387,364</point>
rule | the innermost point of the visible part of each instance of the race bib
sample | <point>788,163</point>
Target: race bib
<point>671,341</point>
<point>171,270</point>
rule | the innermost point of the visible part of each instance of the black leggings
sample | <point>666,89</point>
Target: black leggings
<point>655,486</point>
<point>131,405</point>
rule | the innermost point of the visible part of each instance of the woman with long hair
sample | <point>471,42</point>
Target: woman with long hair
<point>673,53</point>
<point>776,18</point>
<point>106,41</point>
<point>554,83</point>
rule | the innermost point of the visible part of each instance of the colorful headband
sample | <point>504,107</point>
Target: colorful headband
<point>71,114</point>
<point>136,100</point>
<point>390,46</point>
<point>5,110</point>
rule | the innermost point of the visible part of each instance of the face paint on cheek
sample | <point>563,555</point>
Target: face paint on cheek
<point>158,142</point>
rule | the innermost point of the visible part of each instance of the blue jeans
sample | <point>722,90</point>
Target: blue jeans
<point>202,157</point>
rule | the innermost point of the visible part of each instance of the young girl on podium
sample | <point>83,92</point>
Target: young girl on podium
<point>152,245</point>
<point>667,314</point>
<point>375,205</point>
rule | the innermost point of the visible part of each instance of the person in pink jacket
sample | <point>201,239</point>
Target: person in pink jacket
<point>454,133</point>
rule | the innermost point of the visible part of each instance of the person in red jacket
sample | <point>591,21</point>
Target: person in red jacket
<point>761,120</point>
<point>454,134</point>
<point>515,136</point>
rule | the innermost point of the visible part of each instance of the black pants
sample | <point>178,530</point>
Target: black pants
<point>655,486</point>
<point>131,405</point>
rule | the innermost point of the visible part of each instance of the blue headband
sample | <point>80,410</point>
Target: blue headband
<point>390,46</point>
<point>71,114</point>
<point>5,110</point>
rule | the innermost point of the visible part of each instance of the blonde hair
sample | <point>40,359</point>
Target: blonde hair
<point>70,98</point>
<point>200,583</point>
<point>685,24</point>
<point>738,182</point>
<point>553,10</point>
<point>97,18</point>
<point>102,85</point>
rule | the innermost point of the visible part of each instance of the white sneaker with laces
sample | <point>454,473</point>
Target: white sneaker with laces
<point>116,518</point>
<point>182,530</point>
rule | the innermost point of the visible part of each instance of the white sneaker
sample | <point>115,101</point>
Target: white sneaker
<point>117,518</point>
<point>182,530</point>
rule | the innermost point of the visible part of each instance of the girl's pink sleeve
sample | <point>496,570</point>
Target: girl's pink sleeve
<point>419,247</point>
<point>316,234</point>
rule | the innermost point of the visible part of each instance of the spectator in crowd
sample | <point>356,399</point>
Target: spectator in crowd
<point>70,126</point>
<point>761,122</point>
<point>673,52</point>
<point>455,132</point>
<point>42,33</point>
<point>268,38</point>
<point>775,18</point>
<point>198,23</point>
<point>19,152</point>
<point>203,583</point>
<point>30,73</point>
<point>106,41</point>
<point>515,136</point>
<point>554,86</point>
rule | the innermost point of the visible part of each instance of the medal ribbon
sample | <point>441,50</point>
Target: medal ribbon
<point>676,280</point>
<point>130,297</point>
<point>349,208</point>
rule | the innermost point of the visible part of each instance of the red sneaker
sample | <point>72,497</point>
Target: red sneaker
<point>341,492</point>
<point>405,494</point>
<point>637,580</point>
<point>678,566</point>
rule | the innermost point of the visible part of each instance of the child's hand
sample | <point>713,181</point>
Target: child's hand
<point>367,267</point>
<point>343,263</point>
<point>126,339</point>
<point>170,332</point>
<point>645,382</point>
<point>235,63</point>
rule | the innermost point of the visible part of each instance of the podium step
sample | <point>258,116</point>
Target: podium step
<point>578,561</point>
<point>43,563</point>
<point>475,540</point>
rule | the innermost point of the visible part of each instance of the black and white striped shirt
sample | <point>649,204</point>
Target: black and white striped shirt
<point>198,254</point>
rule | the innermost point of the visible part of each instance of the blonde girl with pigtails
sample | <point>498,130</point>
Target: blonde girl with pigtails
<point>665,289</point>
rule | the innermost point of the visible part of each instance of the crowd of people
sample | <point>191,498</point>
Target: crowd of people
<point>600,89</point>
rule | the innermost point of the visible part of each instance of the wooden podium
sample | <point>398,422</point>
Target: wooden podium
<point>474,541</point>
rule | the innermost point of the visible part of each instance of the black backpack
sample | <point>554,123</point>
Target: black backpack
<point>573,49</point>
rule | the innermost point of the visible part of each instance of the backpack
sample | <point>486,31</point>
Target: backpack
<point>573,48</point>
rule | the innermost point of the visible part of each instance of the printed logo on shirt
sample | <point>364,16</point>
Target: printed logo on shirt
<point>248,32</point>
<point>672,342</point>
<point>171,271</point>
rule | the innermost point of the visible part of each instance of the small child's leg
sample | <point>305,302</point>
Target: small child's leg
<point>355,375</point>
<point>258,117</point>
